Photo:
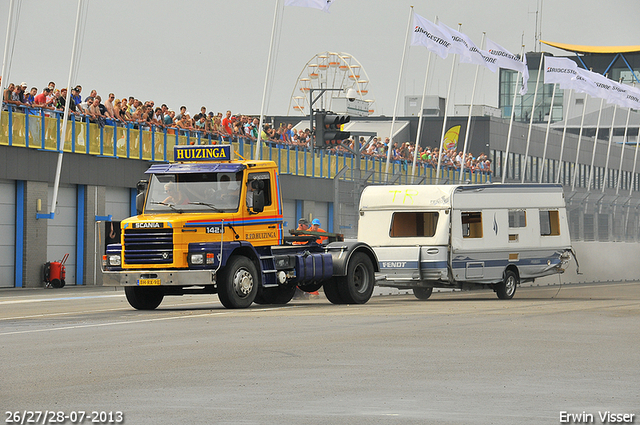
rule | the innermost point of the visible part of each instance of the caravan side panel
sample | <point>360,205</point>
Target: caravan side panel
<point>485,244</point>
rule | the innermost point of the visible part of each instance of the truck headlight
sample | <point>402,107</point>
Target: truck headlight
<point>114,260</point>
<point>197,259</point>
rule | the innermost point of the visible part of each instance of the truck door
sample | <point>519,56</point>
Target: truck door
<point>261,209</point>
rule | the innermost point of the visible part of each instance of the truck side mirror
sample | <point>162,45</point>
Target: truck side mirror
<point>258,201</point>
<point>141,187</point>
<point>139,203</point>
<point>257,196</point>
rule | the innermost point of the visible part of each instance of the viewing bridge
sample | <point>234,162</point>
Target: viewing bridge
<point>151,143</point>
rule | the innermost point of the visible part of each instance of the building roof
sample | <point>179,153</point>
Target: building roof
<point>606,118</point>
<point>593,49</point>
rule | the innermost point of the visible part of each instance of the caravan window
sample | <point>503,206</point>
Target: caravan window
<point>471,224</point>
<point>549,223</point>
<point>517,218</point>
<point>413,224</point>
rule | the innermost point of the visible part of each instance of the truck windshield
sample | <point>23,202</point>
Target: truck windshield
<point>197,192</point>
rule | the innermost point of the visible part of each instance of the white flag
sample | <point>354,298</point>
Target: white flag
<point>632,99</point>
<point>316,4</point>
<point>609,90</point>
<point>507,60</point>
<point>525,75</point>
<point>460,43</point>
<point>584,83</point>
<point>427,34</point>
<point>619,94</point>
<point>560,71</point>
<point>468,51</point>
<point>489,61</point>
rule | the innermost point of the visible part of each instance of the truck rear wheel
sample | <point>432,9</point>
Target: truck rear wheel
<point>357,286</point>
<point>507,288</point>
<point>277,295</point>
<point>142,298</point>
<point>330,288</point>
<point>238,283</point>
<point>422,293</point>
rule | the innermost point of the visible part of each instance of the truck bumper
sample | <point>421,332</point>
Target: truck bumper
<point>158,278</point>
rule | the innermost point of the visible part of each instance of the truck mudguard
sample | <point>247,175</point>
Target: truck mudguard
<point>343,251</point>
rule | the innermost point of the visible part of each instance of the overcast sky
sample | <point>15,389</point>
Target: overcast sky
<point>214,52</point>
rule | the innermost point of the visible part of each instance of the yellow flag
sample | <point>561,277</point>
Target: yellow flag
<point>451,138</point>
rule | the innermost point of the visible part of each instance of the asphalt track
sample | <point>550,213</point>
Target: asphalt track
<point>458,358</point>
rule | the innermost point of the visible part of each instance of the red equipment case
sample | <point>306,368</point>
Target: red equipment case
<point>55,273</point>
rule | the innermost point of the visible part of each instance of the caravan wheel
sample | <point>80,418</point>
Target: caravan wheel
<point>422,293</point>
<point>507,288</point>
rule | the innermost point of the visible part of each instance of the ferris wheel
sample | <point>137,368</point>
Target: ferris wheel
<point>329,70</point>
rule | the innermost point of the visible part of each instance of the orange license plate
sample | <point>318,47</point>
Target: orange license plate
<point>149,282</point>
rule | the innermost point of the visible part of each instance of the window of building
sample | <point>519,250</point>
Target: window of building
<point>413,224</point>
<point>471,224</point>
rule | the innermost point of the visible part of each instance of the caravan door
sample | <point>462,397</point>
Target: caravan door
<point>417,249</point>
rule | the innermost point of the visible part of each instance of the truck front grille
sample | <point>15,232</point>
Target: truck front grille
<point>148,246</point>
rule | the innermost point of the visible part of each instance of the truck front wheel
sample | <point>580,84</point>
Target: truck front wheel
<point>142,298</point>
<point>238,283</point>
<point>357,286</point>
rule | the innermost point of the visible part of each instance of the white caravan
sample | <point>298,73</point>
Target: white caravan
<point>465,236</point>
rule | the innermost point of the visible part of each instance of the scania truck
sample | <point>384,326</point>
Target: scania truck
<point>213,224</point>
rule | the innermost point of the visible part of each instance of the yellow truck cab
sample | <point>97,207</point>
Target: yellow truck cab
<point>213,224</point>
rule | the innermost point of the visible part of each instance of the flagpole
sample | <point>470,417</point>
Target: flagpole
<point>635,161</point>
<point>626,127</point>
<point>424,94</point>
<point>513,112</point>
<point>595,144</point>
<point>5,56</point>
<point>65,118</point>
<point>266,83</point>
<point>473,93</point>
<point>575,164</point>
<point>395,105</point>
<point>633,177</point>
<point>546,136</point>
<point>533,108</point>
<point>444,121</point>
<point>606,163</point>
<point>564,134</point>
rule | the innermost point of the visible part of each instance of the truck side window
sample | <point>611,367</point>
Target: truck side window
<point>517,218</point>
<point>416,224</point>
<point>471,224</point>
<point>549,223</point>
<point>266,188</point>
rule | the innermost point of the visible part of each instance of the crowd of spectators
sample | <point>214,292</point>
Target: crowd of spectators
<point>405,153</point>
<point>138,114</point>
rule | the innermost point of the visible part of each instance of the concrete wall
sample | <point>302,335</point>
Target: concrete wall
<point>35,234</point>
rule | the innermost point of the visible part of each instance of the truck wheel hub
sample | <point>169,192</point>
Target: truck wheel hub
<point>243,282</point>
